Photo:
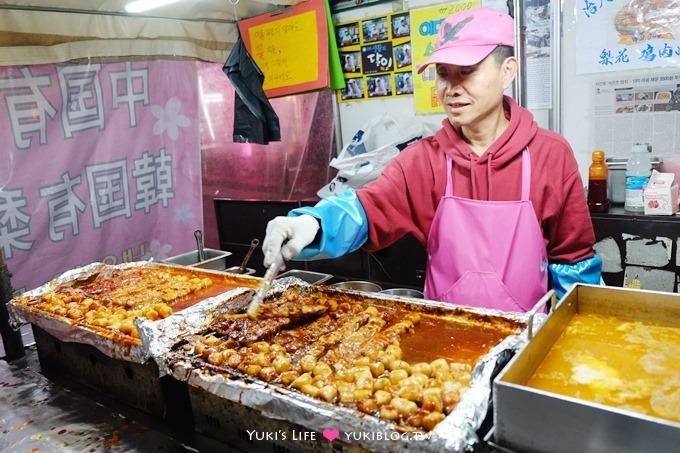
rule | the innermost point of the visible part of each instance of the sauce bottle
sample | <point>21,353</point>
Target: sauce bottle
<point>597,184</point>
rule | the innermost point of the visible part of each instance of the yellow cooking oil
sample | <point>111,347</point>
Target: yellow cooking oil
<point>624,363</point>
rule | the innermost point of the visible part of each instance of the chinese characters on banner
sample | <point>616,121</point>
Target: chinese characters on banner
<point>619,35</point>
<point>425,23</point>
<point>101,162</point>
<point>376,57</point>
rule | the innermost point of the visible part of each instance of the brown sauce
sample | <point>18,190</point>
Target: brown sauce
<point>435,337</point>
<point>206,293</point>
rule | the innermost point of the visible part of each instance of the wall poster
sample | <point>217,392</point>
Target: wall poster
<point>630,110</point>
<point>537,35</point>
<point>376,57</point>
<point>617,35</point>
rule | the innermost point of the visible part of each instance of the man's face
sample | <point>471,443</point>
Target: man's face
<point>470,94</point>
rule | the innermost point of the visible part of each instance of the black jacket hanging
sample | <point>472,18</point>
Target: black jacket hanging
<point>255,121</point>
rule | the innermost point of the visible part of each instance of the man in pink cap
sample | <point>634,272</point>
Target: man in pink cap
<point>497,201</point>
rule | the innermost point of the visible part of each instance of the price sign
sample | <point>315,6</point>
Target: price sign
<point>274,42</point>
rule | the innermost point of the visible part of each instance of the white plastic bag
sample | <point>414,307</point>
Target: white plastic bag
<point>371,149</point>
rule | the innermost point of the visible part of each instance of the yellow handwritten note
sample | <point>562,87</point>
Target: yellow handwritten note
<point>286,50</point>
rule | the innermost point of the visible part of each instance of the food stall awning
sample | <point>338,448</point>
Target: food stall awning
<point>53,31</point>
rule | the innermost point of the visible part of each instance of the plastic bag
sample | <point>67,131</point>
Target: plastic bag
<point>371,149</point>
<point>255,120</point>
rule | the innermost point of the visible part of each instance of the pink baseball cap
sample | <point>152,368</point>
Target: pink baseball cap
<point>466,38</point>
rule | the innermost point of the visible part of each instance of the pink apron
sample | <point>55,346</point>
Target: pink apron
<point>487,253</point>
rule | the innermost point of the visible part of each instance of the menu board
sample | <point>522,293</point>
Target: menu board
<point>376,57</point>
<point>273,41</point>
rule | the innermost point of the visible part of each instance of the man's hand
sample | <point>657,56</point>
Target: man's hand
<point>287,236</point>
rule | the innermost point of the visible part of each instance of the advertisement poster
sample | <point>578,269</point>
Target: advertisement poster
<point>618,35</point>
<point>100,162</point>
<point>425,24</point>
<point>538,28</point>
<point>630,110</point>
<point>376,57</point>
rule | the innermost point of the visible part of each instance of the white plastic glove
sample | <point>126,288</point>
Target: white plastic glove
<point>287,236</point>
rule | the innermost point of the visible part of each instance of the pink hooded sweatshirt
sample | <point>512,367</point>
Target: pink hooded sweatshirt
<point>405,198</point>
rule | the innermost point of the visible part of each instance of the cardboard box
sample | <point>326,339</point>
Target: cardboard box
<point>661,194</point>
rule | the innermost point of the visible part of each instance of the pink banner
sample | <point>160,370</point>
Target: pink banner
<point>98,162</point>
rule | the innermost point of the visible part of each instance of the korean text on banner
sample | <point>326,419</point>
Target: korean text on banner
<point>101,162</point>
<point>424,28</point>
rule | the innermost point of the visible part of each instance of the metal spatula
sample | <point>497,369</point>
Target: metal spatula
<point>263,289</point>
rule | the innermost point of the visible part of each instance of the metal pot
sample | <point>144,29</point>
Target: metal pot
<point>359,286</point>
<point>406,292</point>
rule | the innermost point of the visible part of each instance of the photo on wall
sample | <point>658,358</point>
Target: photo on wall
<point>402,55</point>
<point>403,82</point>
<point>351,62</point>
<point>376,57</point>
<point>379,85</point>
<point>348,34</point>
<point>401,25</point>
<point>354,89</point>
<point>375,29</point>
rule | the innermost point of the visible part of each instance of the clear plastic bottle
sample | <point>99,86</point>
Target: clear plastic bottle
<point>597,184</point>
<point>638,171</point>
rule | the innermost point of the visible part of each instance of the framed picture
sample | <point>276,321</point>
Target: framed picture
<point>374,29</point>
<point>401,26</point>
<point>403,82</point>
<point>347,34</point>
<point>351,62</point>
<point>354,89</point>
<point>402,55</point>
<point>379,86</point>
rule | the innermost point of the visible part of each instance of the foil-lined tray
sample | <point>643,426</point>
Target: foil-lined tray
<point>457,432</point>
<point>156,336</point>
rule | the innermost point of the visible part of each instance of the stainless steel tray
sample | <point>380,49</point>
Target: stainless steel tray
<point>527,419</point>
<point>212,259</point>
<point>314,278</point>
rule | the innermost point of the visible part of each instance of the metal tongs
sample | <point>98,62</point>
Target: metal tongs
<point>269,276</point>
